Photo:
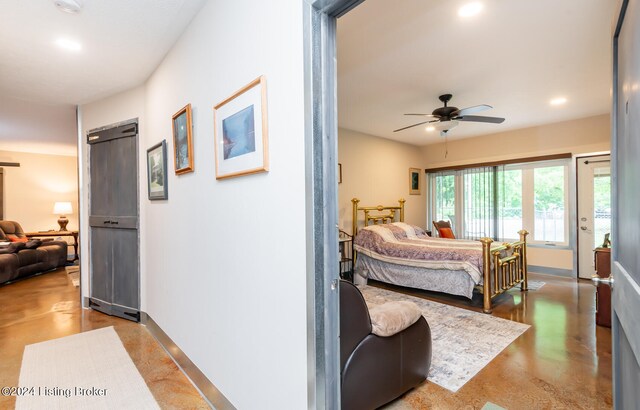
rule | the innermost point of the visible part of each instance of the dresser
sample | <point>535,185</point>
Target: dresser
<point>603,292</point>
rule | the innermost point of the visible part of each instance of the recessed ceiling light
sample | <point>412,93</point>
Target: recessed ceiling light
<point>470,9</point>
<point>430,128</point>
<point>558,101</point>
<point>68,6</point>
<point>68,44</point>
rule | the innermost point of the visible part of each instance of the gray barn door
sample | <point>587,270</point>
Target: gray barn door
<point>113,221</point>
<point>625,295</point>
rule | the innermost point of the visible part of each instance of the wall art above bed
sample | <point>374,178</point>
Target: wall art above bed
<point>241,132</point>
<point>414,181</point>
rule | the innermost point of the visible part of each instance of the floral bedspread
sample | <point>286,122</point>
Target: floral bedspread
<point>406,244</point>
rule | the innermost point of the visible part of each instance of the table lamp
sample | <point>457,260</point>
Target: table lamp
<point>62,209</point>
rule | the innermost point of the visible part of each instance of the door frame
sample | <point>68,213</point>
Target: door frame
<point>574,224</point>
<point>321,192</point>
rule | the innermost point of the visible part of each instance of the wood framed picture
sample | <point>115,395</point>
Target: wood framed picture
<point>182,141</point>
<point>157,171</point>
<point>241,132</point>
<point>414,181</point>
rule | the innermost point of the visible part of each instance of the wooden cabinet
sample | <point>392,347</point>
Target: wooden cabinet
<point>603,292</point>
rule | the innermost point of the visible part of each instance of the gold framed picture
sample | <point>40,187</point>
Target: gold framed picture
<point>241,132</point>
<point>414,181</point>
<point>182,141</point>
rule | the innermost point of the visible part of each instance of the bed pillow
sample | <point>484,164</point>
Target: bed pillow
<point>446,233</point>
<point>393,317</point>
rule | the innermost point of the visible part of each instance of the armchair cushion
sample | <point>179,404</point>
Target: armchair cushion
<point>393,317</point>
<point>32,244</point>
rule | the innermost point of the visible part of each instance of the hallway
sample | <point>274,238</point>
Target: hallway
<point>47,307</point>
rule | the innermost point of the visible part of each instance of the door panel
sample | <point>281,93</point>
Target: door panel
<point>125,267</point>
<point>625,295</point>
<point>100,179</point>
<point>101,255</point>
<point>125,182</point>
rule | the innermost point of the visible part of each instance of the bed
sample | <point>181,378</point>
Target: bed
<point>388,250</point>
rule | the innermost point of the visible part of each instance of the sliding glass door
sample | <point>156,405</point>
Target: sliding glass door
<point>498,201</point>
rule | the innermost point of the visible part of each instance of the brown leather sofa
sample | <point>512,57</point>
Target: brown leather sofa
<point>377,370</point>
<point>20,259</point>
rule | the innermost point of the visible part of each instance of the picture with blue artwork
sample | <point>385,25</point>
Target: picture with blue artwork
<point>238,133</point>
<point>241,132</point>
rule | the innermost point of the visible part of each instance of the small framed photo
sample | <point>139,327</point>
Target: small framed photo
<point>182,141</point>
<point>414,181</point>
<point>157,171</point>
<point>339,173</point>
<point>240,131</point>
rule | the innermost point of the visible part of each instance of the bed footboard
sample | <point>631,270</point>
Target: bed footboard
<point>501,274</point>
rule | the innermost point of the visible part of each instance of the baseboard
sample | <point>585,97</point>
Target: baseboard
<point>210,392</point>
<point>566,273</point>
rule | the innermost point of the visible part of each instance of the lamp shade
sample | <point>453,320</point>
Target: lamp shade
<point>62,208</point>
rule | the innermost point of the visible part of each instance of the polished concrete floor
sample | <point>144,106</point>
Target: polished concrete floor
<point>562,362</point>
<point>47,307</point>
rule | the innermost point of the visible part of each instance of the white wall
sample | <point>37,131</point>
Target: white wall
<point>376,171</point>
<point>31,189</point>
<point>223,262</point>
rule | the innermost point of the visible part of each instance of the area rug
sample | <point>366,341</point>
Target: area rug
<point>535,284</point>
<point>74,274</point>
<point>463,342</point>
<point>90,370</point>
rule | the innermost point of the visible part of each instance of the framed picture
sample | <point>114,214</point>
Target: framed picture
<point>414,181</point>
<point>339,173</point>
<point>157,171</point>
<point>182,141</point>
<point>240,131</point>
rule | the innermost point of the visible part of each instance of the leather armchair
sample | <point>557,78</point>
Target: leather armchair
<point>377,370</point>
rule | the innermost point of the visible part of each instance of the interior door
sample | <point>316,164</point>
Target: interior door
<point>625,295</point>
<point>594,209</point>
<point>113,221</point>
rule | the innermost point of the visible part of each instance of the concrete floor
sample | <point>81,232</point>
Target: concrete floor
<point>562,362</point>
<point>47,307</point>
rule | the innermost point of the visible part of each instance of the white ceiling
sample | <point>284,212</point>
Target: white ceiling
<point>516,55</point>
<point>123,41</point>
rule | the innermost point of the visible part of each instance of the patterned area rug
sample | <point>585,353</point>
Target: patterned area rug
<point>535,284</point>
<point>463,342</point>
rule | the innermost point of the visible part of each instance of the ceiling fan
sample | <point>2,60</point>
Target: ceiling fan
<point>445,118</point>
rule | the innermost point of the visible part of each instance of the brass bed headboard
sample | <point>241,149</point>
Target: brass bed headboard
<point>378,218</point>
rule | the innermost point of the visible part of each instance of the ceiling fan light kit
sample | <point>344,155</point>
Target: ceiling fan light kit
<point>446,118</point>
<point>68,6</point>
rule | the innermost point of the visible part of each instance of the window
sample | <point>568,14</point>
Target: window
<point>444,208</point>
<point>549,200</point>
<point>499,201</point>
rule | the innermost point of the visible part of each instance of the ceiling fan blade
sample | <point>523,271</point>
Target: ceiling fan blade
<point>414,125</point>
<point>425,115</point>
<point>479,118</point>
<point>471,110</point>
